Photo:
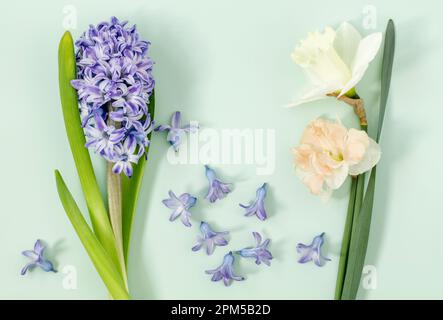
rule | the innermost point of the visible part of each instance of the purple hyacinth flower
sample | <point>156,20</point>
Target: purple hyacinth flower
<point>217,189</point>
<point>181,206</point>
<point>38,259</point>
<point>225,272</point>
<point>210,239</point>
<point>176,131</point>
<point>114,85</point>
<point>258,206</point>
<point>101,136</point>
<point>312,251</point>
<point>260,252</point>
<point>142,133</point>
<point>124,155</point>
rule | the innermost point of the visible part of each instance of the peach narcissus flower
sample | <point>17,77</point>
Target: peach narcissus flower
<point>329,152</point>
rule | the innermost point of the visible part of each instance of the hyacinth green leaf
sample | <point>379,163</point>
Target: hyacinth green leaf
<point>74,131</point>
<point>99,257</point>
<point>362,218</point>
<point>131,189</point>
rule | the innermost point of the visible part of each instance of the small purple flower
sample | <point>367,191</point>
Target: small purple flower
<point>210,239</point>
<point>124,156</point>
<point>260,252</point>
<point>217,189</point>
<point>312,251</point>
<point>142,131</point>
<point>258,206</point>
<point>176,131</point>
<point>101,136</point>
<point>180,205</point>
<point>38,260</point>
<point>225,271</point>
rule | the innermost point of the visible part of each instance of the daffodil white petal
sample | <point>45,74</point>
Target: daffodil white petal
<point>346,42</point>
<point>335,60</point>
<point>370,159</point>
<point>366,52</point>
<point>314,94</point>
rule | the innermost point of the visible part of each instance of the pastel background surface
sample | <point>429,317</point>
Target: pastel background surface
<point>226,64</point>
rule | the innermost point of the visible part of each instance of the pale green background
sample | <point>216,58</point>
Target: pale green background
<point>226,64</point>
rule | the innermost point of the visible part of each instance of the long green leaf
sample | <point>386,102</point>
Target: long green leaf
<point>354,205</point>
<point>99,257</point>
<point>362,221</point>
<point>74,131</point>
<point>344,252</point>
<point>386,72</point>
<point>131,189</point>
<point>359,242</point>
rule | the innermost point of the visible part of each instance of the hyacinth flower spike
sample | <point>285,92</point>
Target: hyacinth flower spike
<point>258,206</point>
<point>111,72</point>
<point>260,252</point>
<point>217,189</point>
<point>114,83</point>
<point>180,206</point>
<point>210,239</point>
<point>38,259</point>
<point>225,272</point>
<point>312,252</point>
<point>176,131</point>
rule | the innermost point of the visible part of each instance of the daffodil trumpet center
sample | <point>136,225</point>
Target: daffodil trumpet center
<point>336,157</point>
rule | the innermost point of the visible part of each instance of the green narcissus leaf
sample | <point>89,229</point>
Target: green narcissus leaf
<point>69,100</point>
<point>362,219</point>
<point>344,252</point>
<point>131,189</point>
<point>359,242</point>
<point>99,257</point>
<point>386,72</point>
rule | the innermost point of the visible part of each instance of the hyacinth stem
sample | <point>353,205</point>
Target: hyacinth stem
<point>114,186</point>
<point>115,214</point>
<point>131,189</point>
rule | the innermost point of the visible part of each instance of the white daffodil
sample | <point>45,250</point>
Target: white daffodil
<point>335,61</point>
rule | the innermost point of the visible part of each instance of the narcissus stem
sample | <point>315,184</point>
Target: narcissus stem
<point>360,183</point>
<point>345,242</point>
<point>354,205</point>
<point>357,104</point>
